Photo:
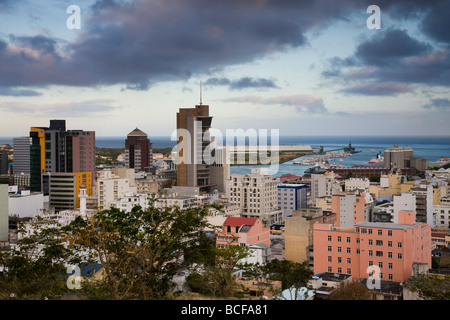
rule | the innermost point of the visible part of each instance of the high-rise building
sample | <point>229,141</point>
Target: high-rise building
<point>4,217</point>
<point>64,188</point>
<point>138,150</point>
<point>55,149</point>
<point>21,155</point>
<point>257,196</point>
<point>3,162</point>
<point>192,138</point>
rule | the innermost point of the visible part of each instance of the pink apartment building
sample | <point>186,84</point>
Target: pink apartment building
<point>391,248</point>
<point>242,231</point>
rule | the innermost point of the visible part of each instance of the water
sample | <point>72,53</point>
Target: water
<point>432,148</point>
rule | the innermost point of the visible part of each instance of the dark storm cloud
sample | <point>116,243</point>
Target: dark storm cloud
<point>386,50</point>
<point>242,83</point>
<point>137,43</point>
<point>389,64</point>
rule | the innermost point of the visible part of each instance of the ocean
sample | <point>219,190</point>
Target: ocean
<point>431,148</point>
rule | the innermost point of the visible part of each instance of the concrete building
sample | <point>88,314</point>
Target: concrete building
<point>351,207</point>
<point>257,196</point>
<point>112,187</point>
<point>354,184</point>
<point>402,202</point>
<point>64,188</point>
<point>298,233</point>
<point>4,218</point>
<point>291,197</point>
<point>55,149</point>
<point>193,126</point>
<point>398,157</point>
<point>441,213</point>
<point>27,204</point>
<point>323,185</point>
<point>424,203</point>
<point>242,232</point>
<point>138,150</point>
<point>387,249</point>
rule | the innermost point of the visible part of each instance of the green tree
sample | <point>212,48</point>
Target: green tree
<point>216,276</point>
<point>351,291</point>
<point>140,251</point>
<point>291,274</point>
<point>35,267</point>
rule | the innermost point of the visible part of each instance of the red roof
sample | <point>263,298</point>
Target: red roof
<point>236,221</point>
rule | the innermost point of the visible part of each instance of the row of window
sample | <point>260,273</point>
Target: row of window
<point>349,272</point>
<point>370,252</point>
<point>370,241</point>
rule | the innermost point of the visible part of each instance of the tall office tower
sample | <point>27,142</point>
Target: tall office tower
<point>80,151</point>
<point>193,137</point>
<point>3,162</point>
<point>54,149</point>
<point>21,155</point>
<point>138,150</point>
<point>4,218</point>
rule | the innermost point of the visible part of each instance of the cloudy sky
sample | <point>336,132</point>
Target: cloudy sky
<point>303,67</point>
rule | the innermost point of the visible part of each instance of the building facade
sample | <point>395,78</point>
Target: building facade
<point>291,197</point>
<point>138,150</point>
<point>368,249</point>
<point>257,196</point>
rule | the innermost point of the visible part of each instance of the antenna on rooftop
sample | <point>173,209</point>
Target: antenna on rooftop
<point>200,93</point>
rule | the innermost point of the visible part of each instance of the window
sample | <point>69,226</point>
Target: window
<point>390,244</point>
<point>329,248</point>
<point>390,233</point>
<point>370,263</point>
<point>329,269</point>
<point>370,253</point>
<point>349,250</point>
<point>329,238</point>
<point>348,239</point>
<point>390,255</point>
<point>364,230</point>
<point>339,249</point>
<point>349,271</point>
<point>399,244</point>
<point>370,231</point>
<point>370,242</point>
<point>379,253</point>
<point>329,259</point>
<point>339,260</point>
<point>339,270</point>
<point>339,238</point>
<point>379,242</point>
<point>391,277</point>
<point>349,261</point>
<point>390,265</point>
<point>399,256</point>
<point>380,232</point>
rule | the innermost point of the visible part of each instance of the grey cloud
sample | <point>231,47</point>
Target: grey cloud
<point>439,103</point>
<point>302,103</point>
<point>12,92</point>
<point>242,83</point>
<point>380,89</point>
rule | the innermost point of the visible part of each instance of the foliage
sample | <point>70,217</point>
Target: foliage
<point>351,291</point>
<point>430,287</point>
<point>216,276</point>
<point>35,267</point>
<point>290,273</point>
<point>140,251</point>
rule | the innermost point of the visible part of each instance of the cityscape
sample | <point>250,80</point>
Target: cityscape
<point>272,150</point>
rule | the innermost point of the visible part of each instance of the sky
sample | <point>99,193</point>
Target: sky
<point>302,67</point>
